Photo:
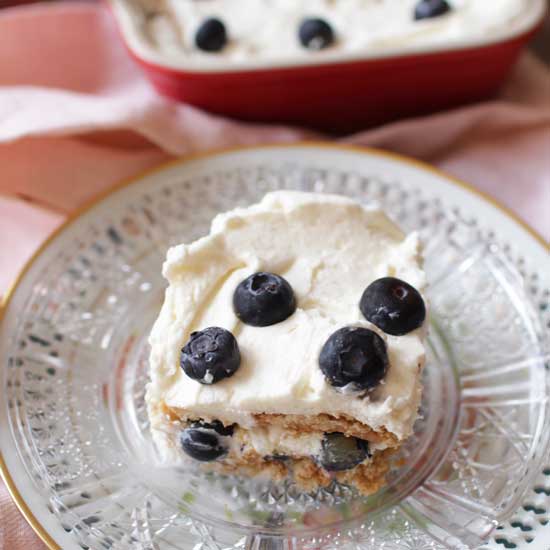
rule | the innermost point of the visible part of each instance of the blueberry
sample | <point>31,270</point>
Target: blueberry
<point>393,306</point>
<point>215,425</point>
<point>263,299</point>
<point>340,452</point>
<point>315,34</point>
<point>210,355</point>
<point>430,8</point>
<point>354,356</point>
<point>205,441</point>
<point>278,457</point>
<point>211,35</point>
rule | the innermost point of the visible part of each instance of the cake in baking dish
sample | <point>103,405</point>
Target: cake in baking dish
<point>291,343</point>
<point>217,32</point>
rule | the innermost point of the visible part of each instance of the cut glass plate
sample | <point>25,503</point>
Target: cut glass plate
<point>74,348</point>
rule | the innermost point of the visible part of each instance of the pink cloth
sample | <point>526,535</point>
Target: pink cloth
<point>77,116</point>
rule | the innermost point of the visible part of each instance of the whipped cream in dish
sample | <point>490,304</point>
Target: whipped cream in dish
<point>268,30</point>
<point>329,248</point>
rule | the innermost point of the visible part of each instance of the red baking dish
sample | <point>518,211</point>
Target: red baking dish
<point>341,95</point>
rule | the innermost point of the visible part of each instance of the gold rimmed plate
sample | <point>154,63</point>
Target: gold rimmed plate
<point>73,428</point>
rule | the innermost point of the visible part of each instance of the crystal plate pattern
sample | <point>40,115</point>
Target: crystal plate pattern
<point>77,430</point>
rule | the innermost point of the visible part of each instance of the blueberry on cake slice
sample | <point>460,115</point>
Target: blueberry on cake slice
<point>291,343</point>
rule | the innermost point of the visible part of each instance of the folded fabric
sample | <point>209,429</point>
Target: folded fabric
<point>76,115</point>
<point>74,103</point>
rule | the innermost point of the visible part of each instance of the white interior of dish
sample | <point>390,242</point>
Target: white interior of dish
<point>129,24</point>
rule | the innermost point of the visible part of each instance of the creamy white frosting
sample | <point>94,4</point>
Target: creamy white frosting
<point>329,248</point>
<point>268,29</point>
<point>274,440</point>
<point>267,441</point>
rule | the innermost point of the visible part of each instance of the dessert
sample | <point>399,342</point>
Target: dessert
<point>290,343</point>
<point>217,32</point>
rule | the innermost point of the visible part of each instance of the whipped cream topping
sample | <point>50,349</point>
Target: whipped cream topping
<point>329,248</point>
<point>268,29</point>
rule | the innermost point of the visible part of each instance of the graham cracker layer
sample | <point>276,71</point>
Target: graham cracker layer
<point>302,424</point>
<point>327,423</point>
<point>367,478</point>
